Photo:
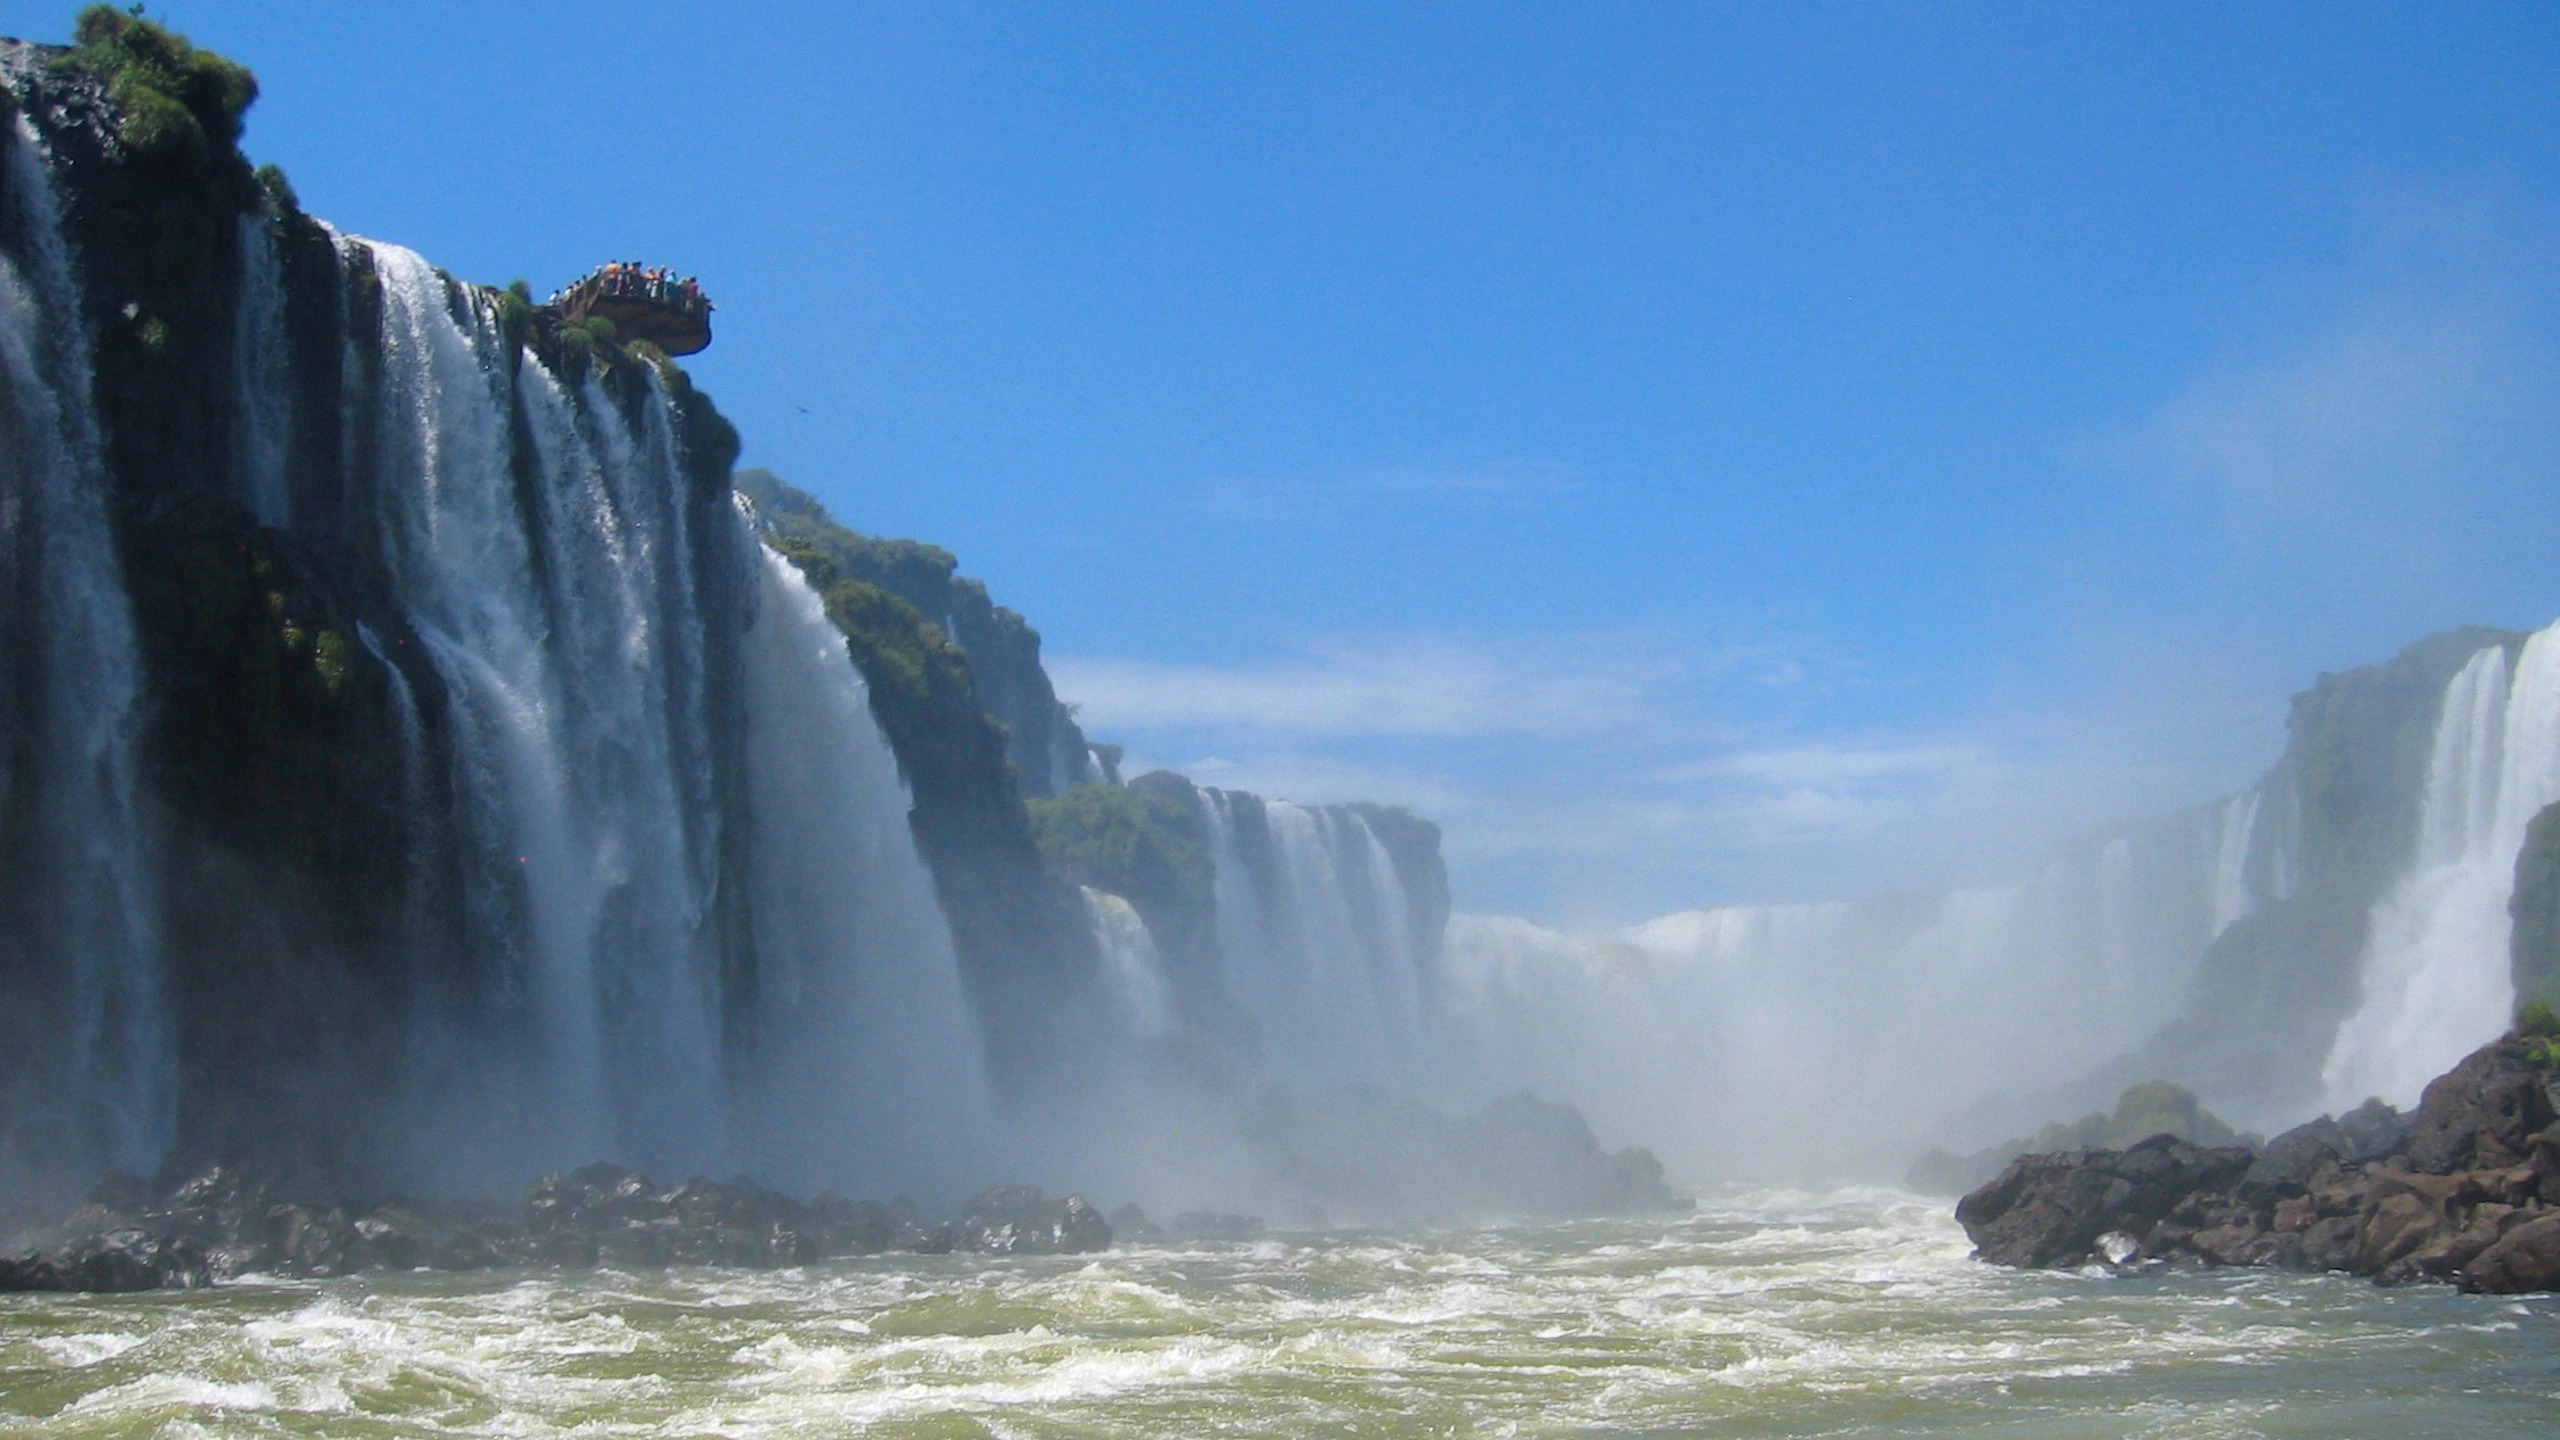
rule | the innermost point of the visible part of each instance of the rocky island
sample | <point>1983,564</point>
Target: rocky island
<point>2464,1189</point>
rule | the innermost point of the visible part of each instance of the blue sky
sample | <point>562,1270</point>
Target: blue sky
<point>1695,452</point>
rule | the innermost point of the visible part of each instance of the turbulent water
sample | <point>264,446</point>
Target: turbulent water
<point>1766,1314</point>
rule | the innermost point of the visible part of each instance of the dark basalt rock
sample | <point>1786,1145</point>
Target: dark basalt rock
<point>222,1223</point>
<point>2372,1131</point>
<point>123,1259</point>
<point>2463,1189</point>
<point>2525,1259</point>
<point>1019,1220</point>
<point>2052,1209</point>
<point>2483,1112</point>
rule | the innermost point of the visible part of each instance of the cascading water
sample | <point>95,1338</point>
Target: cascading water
<point>465,572</point>
<point>2235,828</point>
<point>1133,972</point>
<point>870,1068</point>
<point>71,812</point>
<point>1314,930</point>
<point>502,834</point>
<point>2436,968</point>
<point>558,611</point>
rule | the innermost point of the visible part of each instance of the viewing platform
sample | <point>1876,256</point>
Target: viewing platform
<point>644,303</point>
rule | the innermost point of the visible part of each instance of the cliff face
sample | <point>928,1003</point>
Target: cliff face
<point>2342,817</point>
<point>264,737</point>
<point>1049,753</point>
<point>2534,948</point>
<point>380,772</point>
<point>1021,932</point>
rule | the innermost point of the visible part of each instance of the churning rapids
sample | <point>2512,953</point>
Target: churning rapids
<point>1766,1313</point>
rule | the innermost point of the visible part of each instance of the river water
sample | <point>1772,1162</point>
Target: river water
<point>1766,1314</point>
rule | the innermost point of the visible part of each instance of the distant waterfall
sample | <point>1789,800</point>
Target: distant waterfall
<point>1132,970</point>
<point>869,1066</point>
<point>2436,976</point>
<point>1762,1039</point>
<point>1315,931</point>
<point>71,815</point>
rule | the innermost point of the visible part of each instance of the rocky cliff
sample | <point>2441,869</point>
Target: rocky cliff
<point>407,755</point>
<point>1049,753</point>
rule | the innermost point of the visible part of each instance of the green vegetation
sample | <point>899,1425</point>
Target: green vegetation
<point>1024,947</point>
<point>329,661</point>
<point>278,190</point>
<point>2538,1030</point>
<point>1003,649</point>
<point>173,97</point>
<point>515,310</point>
<point>1138,844</point>
<point>893,645</point>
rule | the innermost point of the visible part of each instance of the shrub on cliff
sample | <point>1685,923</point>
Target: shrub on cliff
<point>174,98</point>
<point>2538,1027</point>
<point>1134,843</point>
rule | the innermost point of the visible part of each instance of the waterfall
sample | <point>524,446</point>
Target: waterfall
<point>1132,970</point>
<point>2235,829</point>
<point>262,374</point>
<point>2436,979</point>
<point>73,817</point>
<point>1769,1040</point>
<point>1314,927</point>
<point>553,609</point>
<point>870,1066</point>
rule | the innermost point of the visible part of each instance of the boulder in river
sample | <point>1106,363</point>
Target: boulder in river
<point>2465,1188</point>
<point>1020,1220</point>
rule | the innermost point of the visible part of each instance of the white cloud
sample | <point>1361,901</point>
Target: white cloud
<point>1821,767</point>
<point>2384,433</point>
<point>1417,687</point>
<point>1316,778</point>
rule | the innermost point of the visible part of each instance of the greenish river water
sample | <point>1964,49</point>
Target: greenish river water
<point>1766,1314</point>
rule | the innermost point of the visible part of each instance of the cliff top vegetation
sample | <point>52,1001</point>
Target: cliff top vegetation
<point>1141,844</point>
<point>172,96</point>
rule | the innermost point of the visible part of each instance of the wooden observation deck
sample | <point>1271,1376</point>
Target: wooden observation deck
<point>643,304</point>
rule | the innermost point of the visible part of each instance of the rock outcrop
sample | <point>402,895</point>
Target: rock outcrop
<point>222,1224</point>
<point>2154,1107</point>
<point>2465,1189</point>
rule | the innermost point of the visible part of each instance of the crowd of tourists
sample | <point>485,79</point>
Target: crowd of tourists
<point>632,280</point>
